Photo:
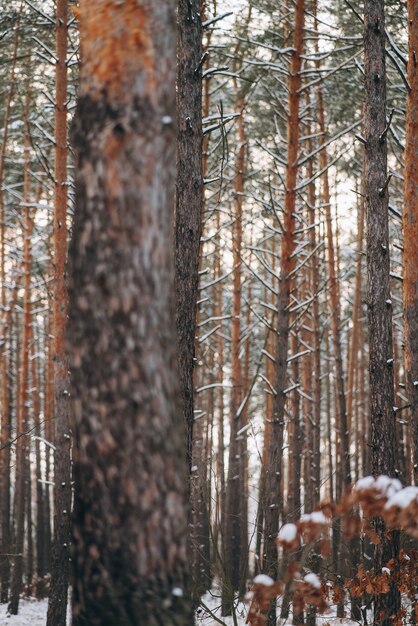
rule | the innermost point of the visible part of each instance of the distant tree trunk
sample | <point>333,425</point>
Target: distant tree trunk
<point>130,517</point>
<point>22,398</point>
<point>220,463</point>
<point>357,311</point>
<point>188,222</point>
<point>57,605</point>
<point>410,232</point>
<point>234,558</point>
<point>49,435</point>
<point>4,398</point>
<point>345,470</point>
<point>268,404</point>
<point>275,453</point>
<point>379,299</point>
<point>40,499</point>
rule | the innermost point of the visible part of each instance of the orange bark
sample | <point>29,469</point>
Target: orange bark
<point>108,53</point>
<point>62,492</point>
<point>274,467</point>
<point>22,401</point>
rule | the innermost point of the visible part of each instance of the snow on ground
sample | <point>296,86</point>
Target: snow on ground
<point>212,601</point>
<point>32,612</point>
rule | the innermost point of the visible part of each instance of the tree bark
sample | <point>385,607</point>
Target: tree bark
<point>234,559</point>
<point>57,605</point>
<point>188,222</point>
<point>410,233</point>
<point>382,418</point>
<point>130,517</point>
<point>22,398</point>
<point>5,413</point>
<point>275,453</point>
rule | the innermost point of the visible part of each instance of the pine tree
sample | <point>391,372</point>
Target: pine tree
<point>130,516</point>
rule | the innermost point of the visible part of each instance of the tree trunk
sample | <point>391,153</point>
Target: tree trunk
<point>188,223</point>
<point>57,605</point>
<point>275,453</point>
<point>40,499</point>
<point>378,267</point>
<point>130,517</point>
<point>22,401</point>
<point>410,233</point>
<point>5,413</point>
<point>233,550</point>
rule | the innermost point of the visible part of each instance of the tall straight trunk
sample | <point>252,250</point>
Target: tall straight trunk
<point>188,222</point>
<point>275,453</point>
<point>345,470</point>
<point>312,362</point>
<point>130,461</point>
<point>49,436</point>
<point>4,396</point>
<point>29,560</point>
<point>244,541</point>
<point>357,311</point>
<point>330,451</point>
<point>382,418</point>
<point>220,463</point>
<point>57,605</point>
<point>23,396</point>
<point>40,499</point>
<point>233,550</point>
<point>268,403</point>
<point>410,233</point>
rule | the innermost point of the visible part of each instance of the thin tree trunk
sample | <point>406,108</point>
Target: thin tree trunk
<point>22,403</point>
<point>275,453</point>
<point>5,414</point>
<point>57,605</point>
<point>410,233</point>
<point>382,417</point>
<point>188,222</point>
<point>233,551</point>
<point>40,499</point>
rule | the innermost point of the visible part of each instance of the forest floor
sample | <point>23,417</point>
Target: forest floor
<point>210,613</point>
<point>33,613</point>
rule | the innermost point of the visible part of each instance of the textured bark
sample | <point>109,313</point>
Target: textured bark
<point>23,396</point>
<point>5,414</point>
<point>344,470</point>
<point>410,232</point>
<point>233,550</point>
<point>268,404</point>
<point>312,363</point>
<point>57,605</point>
<point>353,365</point>
<point>40,499</point>
<point>188,223</point>
<point>274,465</point>
<point>130,517</point>
<point>50,437</point>
<point>220,462</point>
<point>382,417</point>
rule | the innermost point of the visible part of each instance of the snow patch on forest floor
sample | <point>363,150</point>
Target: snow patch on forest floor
<point>32,612</point>
<point>212,601</point>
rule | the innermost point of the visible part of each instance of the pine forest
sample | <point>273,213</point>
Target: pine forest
<point>209,312</point>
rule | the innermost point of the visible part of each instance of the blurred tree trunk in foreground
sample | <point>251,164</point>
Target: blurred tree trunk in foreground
<point>130,516</point>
